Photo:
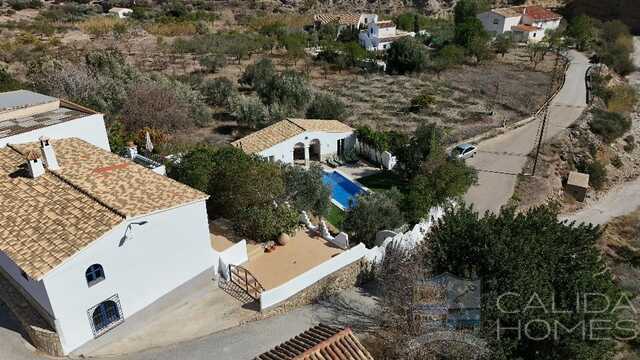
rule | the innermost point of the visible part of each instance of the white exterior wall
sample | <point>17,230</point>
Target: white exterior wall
<point>366,19</point>
<point>386,32</point>
<point>545,25</point>
<point>496,24</point>
<point>89,128</point>
<point>33,287</point>
<point>172,248</point>
<point>283,151</point>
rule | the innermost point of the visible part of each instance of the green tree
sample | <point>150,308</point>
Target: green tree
<point>266,223</point>
<point>529,255</point>
<point>218,91</point>
<point>582,30</point>
<point>470,34</point>
<point>256,75</point>
<point>195,167</point>
<point>503,43</point>
<point>536,52</point>
<point>373,212</point>
<point>248,111</point>
<point>426,139</point>
<point>7,81</point>
<point>406,55</point>
<point>446,58</point>
<point>467,9</point>
<point>305,189</point>
<point>213,62</point>
<point>290,89</point>
<point>326,106</point>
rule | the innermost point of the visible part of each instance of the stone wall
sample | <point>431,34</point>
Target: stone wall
<point>344,278</point>
<point>43,337</point>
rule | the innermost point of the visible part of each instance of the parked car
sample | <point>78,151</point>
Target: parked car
<point>463,151</point>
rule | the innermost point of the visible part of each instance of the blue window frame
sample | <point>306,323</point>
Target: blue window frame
<point>94,274</point>
<point>105,316</point>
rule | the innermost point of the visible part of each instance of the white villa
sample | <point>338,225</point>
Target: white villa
<point>526,23</point>
<point>350,20</point>
<point>379,35</point>
<point>25,116</point>
<point>299,140</point>
<point>87,237</point>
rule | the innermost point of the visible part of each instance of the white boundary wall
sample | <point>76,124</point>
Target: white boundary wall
<point>385,158</point>
<point>235,255</point>
<point>278,294</point>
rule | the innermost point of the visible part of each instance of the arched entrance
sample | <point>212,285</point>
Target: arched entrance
<point>298,153</point>
<point>104,315</point>
<point>315,150</point>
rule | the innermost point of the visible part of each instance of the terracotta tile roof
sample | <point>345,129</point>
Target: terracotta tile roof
<point>321,342</point>
<point>535,12</point>
<point>341,19</point>
<point>385,24</point>
<point>524,28</point>
<point>46,220</point>
<point>539,13</point>
<point>286,129</point>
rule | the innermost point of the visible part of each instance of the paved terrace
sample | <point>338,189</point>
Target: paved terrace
<point>303,252</point>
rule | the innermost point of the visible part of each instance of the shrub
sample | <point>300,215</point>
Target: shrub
<point>290,89</point>
<point>213,62</point>
<point>177,28</point>
<point>218,92</point>
<point>104,25</point>
<point>622,99</point>
<point>616,162</point>
<point>266,223</point>
<point>596,170</point>
<point>609,125</point>
<point>422,101</point>
<point>24,4</point>
<point>249,111</point>
<point>326,106</point>
<point>630,143</point>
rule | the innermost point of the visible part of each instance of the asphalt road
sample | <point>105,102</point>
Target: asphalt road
<point>501,158</point>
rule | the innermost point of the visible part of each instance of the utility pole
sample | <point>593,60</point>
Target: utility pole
<point>554,78</point>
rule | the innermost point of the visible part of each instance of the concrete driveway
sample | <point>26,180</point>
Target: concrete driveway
<point>500,159</point>
<point>353,307</point>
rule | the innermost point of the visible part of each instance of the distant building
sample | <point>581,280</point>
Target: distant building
<point>350,20</point>
<point>526,23</point>
<point>380,35</point>
<point>299,141</point>
<point>122,13</point>
<point>25,116</point>
<point>578,185</point>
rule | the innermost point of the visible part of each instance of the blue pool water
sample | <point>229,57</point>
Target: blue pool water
<point>343,190</point>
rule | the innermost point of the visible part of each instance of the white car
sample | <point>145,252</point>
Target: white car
<point>464,151</point>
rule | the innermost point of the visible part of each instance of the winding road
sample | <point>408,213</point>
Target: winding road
<point>500,159</point>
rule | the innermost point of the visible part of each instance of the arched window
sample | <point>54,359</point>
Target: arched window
<point>104,315</point>
<point>94,274</point>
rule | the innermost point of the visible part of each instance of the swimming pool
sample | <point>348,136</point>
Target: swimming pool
<point>343,189</point>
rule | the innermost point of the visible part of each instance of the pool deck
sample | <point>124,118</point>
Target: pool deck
<point>355,171</point>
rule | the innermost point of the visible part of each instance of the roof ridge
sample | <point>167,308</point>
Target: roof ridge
<point>296,124</point>
<point>76,187</point>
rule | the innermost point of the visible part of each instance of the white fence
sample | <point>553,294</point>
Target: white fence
<point>235,255</point>
<point>384,158</point>
<point>276,295</point>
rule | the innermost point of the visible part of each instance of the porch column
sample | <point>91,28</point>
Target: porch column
<point>306,156</point>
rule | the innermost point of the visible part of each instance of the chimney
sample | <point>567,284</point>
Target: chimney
<point>132,150</point>
<point>34,164</point>
<point>49,154</point>
<point>524,10</point>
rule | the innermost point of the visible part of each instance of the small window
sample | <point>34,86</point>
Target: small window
<point>534,34</point>
<point>94,274</point>
<point>496,21</point>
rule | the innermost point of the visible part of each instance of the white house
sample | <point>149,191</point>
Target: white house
<point>527,23</point>
<point>354,21</point>
<point>380,35</point>
<point>299,140</point>
<point>26,116</point>
<point>120,12</point>
<point>91,238</point>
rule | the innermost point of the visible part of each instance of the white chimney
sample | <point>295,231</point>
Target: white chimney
<point>49,154</point>
<point>132,150</point>
<point>34,164</point>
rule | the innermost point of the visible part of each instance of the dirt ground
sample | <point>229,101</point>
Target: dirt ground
<point>468,100</point>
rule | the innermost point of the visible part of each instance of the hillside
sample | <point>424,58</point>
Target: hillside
<point>627,11</point>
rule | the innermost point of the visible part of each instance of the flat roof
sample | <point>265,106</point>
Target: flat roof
<point>578,179</point>
<point>19,125</point>
<point>19,99</point>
